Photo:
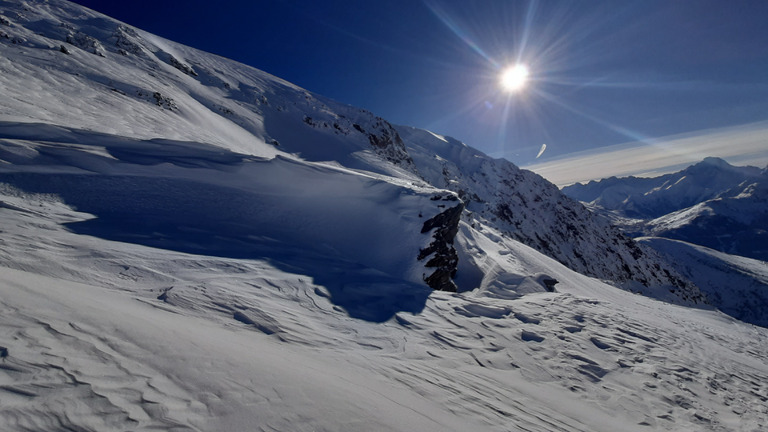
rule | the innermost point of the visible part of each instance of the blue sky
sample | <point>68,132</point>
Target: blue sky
<point>601,72</point>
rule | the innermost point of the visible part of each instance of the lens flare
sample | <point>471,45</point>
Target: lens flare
<point>514,78</point>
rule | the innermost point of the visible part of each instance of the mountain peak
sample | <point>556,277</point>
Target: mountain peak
<point>712,162</point>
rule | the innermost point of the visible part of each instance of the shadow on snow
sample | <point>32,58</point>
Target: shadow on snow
<point>198,218</point>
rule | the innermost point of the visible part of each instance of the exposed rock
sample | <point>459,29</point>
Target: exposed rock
<point>125,40</point>
<point>187,69</point>
<point>387,143</point>
<point>547,281</point>
<point>86,43</point>
<point>444,258</point>
<point>383,138</point>
<point>164,101</point>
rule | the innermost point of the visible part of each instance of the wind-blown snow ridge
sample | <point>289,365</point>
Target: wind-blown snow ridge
<point>189,244</point>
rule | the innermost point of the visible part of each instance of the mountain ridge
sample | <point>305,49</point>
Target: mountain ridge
<point>651,197</point>
<point>711,203</point>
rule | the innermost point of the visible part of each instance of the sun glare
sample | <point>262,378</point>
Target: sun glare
<point>514,78</point>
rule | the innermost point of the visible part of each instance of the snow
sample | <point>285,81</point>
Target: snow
<point>736,285</point>
<point>711,203</point>
<point>652,197</point>
<point>201,199</point>
<point>109,354</point>
<point>521,205</point>
<point>176,269</point>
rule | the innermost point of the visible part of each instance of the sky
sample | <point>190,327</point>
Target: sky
<point>601,73</point>
<point>739,145</point>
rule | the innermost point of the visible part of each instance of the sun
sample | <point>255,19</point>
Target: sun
<point>514,78</point>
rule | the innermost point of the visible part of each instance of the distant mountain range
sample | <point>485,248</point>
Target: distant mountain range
<point>711,203</point>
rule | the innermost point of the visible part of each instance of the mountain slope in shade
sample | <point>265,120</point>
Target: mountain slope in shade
<point>732,224</point>
<point>736,285</point>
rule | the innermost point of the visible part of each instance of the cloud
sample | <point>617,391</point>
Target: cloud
<point>739,145</point>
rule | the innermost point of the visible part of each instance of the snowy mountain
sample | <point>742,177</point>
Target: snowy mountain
<point>191,244</point>
<point>652,197</point>
<point>712,204</point>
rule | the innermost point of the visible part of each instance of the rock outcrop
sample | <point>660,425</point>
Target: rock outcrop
<point>442,255</point>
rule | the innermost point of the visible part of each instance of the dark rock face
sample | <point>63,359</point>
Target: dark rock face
<point>125,40</point>
<point>444,258</point>
<point>382,137</point>
<point>387,143</point>
<point>86,43</point>
<point>187,69</point>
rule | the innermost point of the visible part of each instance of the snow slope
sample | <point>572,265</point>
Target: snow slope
<point>67,66</point>
<point>522,205</point>
<point>736,285</point>
<point>169,91</point>
<point>189,244</point>
<point>196,198</point>
<point>106,335</point>
<point>735,224</point>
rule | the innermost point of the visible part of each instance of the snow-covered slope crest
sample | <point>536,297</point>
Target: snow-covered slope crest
<point>77,78</point>
<point>524,206</point>
<point>65,65</point>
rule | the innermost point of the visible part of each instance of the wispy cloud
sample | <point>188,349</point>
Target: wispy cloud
<point>739,145</point>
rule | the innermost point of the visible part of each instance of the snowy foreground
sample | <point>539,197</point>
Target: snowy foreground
<point>190,244</point>
<point>107,335</point>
